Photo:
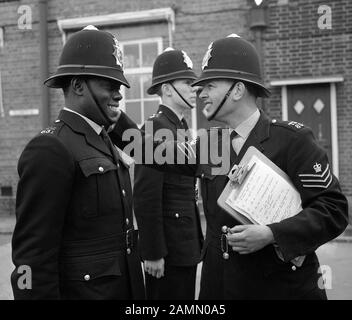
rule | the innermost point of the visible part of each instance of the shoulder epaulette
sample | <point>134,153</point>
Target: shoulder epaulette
<point>52,129</point>
<point>48,130</point>
<point>293,125</point>
<point>155,115</point>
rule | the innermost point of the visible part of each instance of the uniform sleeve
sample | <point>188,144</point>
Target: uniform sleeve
<point>181,157</point>
<point>46,173</point>
<point>148,208</point>
<point>147,201</point>
<point>325,210</point>
<point>123,124</point>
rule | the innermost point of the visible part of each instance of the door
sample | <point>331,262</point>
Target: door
<point>310,105</point>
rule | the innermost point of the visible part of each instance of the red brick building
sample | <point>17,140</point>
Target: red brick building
<point>306,50</point>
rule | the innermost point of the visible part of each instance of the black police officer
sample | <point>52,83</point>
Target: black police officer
<point>164,203</point>
<point>74,201</point>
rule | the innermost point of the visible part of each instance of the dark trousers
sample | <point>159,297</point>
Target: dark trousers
<point>178,283</point>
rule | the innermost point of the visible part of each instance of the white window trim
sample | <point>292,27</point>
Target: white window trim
<point>333,108</point>
<point>124,18</point>
<point>141,70</point>
<point>2,110</point>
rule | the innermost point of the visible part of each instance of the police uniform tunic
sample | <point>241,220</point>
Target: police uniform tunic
<point>262,274</point>
<point>168,221</point>
<point>74,217</point>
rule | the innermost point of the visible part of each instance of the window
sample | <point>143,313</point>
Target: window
<point>6,191</point>
<point>139,56</point>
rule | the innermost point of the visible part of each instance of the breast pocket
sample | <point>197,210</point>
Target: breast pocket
<point>99,188</point>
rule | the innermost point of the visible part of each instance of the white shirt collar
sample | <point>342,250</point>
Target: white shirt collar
<point>245,128</point>
<point>97,128</point>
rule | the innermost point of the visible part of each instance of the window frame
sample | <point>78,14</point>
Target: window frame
<point>141,70</point>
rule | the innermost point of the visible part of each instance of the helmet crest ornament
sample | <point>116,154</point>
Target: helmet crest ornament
<point>207,56</point>
<point>117,52</point>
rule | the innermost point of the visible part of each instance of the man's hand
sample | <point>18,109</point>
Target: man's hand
<point>246,239</point>
<point>155,268</point>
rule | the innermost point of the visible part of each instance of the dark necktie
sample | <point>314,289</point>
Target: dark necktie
<point>233,154</point>
<point>185,126</point>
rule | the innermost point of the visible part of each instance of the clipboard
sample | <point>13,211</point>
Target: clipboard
<point>251,151</point>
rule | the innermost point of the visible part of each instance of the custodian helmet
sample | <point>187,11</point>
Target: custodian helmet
<point>171,65</point>
<point>233,58</point>
<point>89,52</point>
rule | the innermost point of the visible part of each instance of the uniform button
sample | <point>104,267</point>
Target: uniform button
<point>87,277</point>
<point>57,121</point>
<point>225,255</point>
<point>224,229</point>
<point>101,169</point>
<point>177,215</point>
<point>273,121</point>
<point>118,166</point>
<point>202,175</point>
<point>128,251</point>
<point>123,192</point>
<point>127,221</point>
<point>294,268</point>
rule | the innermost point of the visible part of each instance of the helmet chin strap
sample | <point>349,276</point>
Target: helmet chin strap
<point>92,95</point>
<point>184,100</point>
<point>222,102</point>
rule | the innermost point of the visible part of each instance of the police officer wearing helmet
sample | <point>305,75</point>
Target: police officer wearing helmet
<point>164,203</point>
<point>240,261</point>
<point>74,224</point>
<point>257,261</point>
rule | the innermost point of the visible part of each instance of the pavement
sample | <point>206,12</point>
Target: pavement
<point>335,259</point>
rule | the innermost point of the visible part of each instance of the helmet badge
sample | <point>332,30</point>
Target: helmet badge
<point>233,35</point>
<point>117,52</point>
<point>207,56</point>
<point>187,60</point>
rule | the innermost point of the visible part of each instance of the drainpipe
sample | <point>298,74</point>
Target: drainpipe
<point>44,64</point>
<point>258,23</point>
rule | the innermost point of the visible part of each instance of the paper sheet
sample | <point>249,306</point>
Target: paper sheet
<point>265,197</point>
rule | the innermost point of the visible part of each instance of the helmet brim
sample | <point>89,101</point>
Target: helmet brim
<point>57,80</point>
<point>209,75</point>
<point>179,75</point>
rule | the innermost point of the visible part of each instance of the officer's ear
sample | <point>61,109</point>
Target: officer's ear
<point>238,91</point>
<point>77,86</point>
<point>166,90</point>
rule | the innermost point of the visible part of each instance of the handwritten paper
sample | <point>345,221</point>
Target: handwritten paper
<point>264,197</point>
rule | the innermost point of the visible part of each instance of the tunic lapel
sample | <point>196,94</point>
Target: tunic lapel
<point>79,125</point>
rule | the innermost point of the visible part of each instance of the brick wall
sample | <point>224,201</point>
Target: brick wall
<point>19,66</point>
<point>294,46</point>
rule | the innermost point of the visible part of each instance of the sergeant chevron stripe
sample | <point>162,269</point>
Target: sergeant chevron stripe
<point>322,180</point>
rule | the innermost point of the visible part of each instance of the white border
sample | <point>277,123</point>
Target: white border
<point>333,109</point>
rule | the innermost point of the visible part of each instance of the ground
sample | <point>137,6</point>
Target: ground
<point>335,258</point>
